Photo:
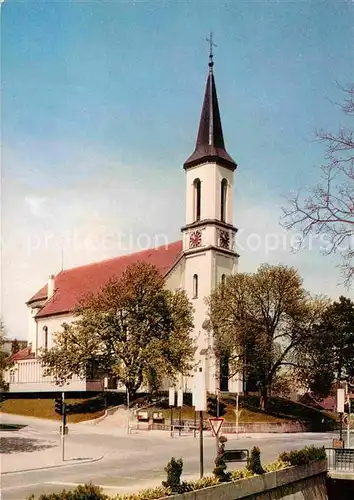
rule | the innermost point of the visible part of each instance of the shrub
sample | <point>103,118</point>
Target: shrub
<point>220,470</point>
<point>254,462</point>
<point>304,456</point>
<point>148,494</point>
<point>174,471</point>
<point>241,474</point>
<point>277,465</point>
<point>81,492</point>
<point>204,482</point>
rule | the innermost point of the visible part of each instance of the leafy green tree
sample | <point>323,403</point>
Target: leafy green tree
<point>15,347</point>
<point>329,358</point>
<point>261,322</point>
<point>5,361</point>
<point>133,329</point>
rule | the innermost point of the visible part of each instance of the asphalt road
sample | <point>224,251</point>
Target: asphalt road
<point>132,462</point>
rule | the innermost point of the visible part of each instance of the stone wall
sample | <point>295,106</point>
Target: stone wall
<point>304,482</point>
<point>230,428</point>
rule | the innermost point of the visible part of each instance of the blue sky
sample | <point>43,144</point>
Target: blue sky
<point>100,108</point>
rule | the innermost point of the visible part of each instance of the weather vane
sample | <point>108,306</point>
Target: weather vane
<point>211,45</point>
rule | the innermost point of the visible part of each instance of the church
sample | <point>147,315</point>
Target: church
<point>197,263</point>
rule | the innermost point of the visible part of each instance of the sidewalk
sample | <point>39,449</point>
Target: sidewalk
<point>24,451</point>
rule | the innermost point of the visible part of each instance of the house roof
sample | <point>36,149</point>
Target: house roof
<point>210,144</point>
<point>72,284</point>
<point>22,354</point>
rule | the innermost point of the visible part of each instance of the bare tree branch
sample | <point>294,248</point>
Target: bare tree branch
<point>328,210</point>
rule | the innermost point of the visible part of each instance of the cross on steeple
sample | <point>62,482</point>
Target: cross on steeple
<point>210,146</point>
<point>211,45</point>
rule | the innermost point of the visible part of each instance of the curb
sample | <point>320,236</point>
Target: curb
<point>53,466</point>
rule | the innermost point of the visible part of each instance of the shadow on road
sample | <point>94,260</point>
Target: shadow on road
<point>19,445</point>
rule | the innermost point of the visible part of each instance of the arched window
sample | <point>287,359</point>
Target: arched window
<point>223,200</point>
<point>195,286</point>
<point>223,280</point>
<point>197,200</point>
<point>45,330</point>
<point>224,373</point>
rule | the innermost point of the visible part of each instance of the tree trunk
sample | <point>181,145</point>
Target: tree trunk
<point>264,398</point>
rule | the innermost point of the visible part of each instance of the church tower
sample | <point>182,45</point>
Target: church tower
<point>209,233</point>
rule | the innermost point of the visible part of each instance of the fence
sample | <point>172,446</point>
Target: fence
<point>341,459</point>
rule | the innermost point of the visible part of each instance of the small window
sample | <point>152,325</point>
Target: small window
<point>223,200</point>
<point>12,377</point>
<point>223,281</point>
<point>197,200</point>
<point>195,286</point>
<point>45,330</point>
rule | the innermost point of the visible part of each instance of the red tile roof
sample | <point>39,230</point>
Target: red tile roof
<point>22,354</point>
<point>40,295</point>
<point>71,284</point>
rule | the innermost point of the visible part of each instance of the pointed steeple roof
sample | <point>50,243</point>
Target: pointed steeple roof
<point>210,144</point>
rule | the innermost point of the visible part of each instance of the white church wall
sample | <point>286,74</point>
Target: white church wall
<point>199,264</point>
<point>32,323</point>
<point>175,278</point>
<point>224,264</point>
<point>225,173</point>
<point>206,174</point>
<point>54,324</point>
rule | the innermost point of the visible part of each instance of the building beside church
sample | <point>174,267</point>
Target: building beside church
<point>202,259</point>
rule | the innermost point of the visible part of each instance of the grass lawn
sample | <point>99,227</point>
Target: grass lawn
<point>84,409</point>
<point>278,410</point>
<point>245,415</point>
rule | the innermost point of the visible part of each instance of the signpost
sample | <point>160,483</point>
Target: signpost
<point>171,402</point>
<point>235,455</point>
<point>60,408</point>
<point>348,416</point>
<point>180,405</point>
<point>340,410</point>
<point>199,403</point>
<point>216,424</point>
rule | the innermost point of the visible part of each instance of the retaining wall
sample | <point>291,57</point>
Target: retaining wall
<point>304,482</point>
<point>230,428</point>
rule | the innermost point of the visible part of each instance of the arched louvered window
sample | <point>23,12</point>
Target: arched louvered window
<point>223,281</point>
<point>45,330</point>
<point>195,286</point>
<point>197,199</point>
<point>223,200</point>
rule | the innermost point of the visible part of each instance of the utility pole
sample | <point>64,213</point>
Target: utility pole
<point>171,402</point>
<point>348,422</point>
<point>340,410</point>
<point>63,425</point>
<point>59,407</point>
<point>201,454</point>
<point>237,412</point>
<point>128,408</point>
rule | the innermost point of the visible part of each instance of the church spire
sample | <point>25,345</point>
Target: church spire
<point>210,144</point>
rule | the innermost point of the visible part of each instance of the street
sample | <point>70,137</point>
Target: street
<point>123,463</point>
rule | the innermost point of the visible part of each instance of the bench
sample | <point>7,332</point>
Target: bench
<point>235,455</point>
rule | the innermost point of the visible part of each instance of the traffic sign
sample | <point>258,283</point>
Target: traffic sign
<point>216,424</point>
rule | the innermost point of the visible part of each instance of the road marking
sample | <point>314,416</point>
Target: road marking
<point>19,486</point>
<point>64,483</point>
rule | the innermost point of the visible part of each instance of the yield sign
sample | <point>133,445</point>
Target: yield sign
<point>216,424</point>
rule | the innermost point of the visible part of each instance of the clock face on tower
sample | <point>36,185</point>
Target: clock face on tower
<point>224,239</point>
<point>195,239</point>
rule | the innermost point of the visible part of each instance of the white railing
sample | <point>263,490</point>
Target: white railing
<point>27,375</point>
